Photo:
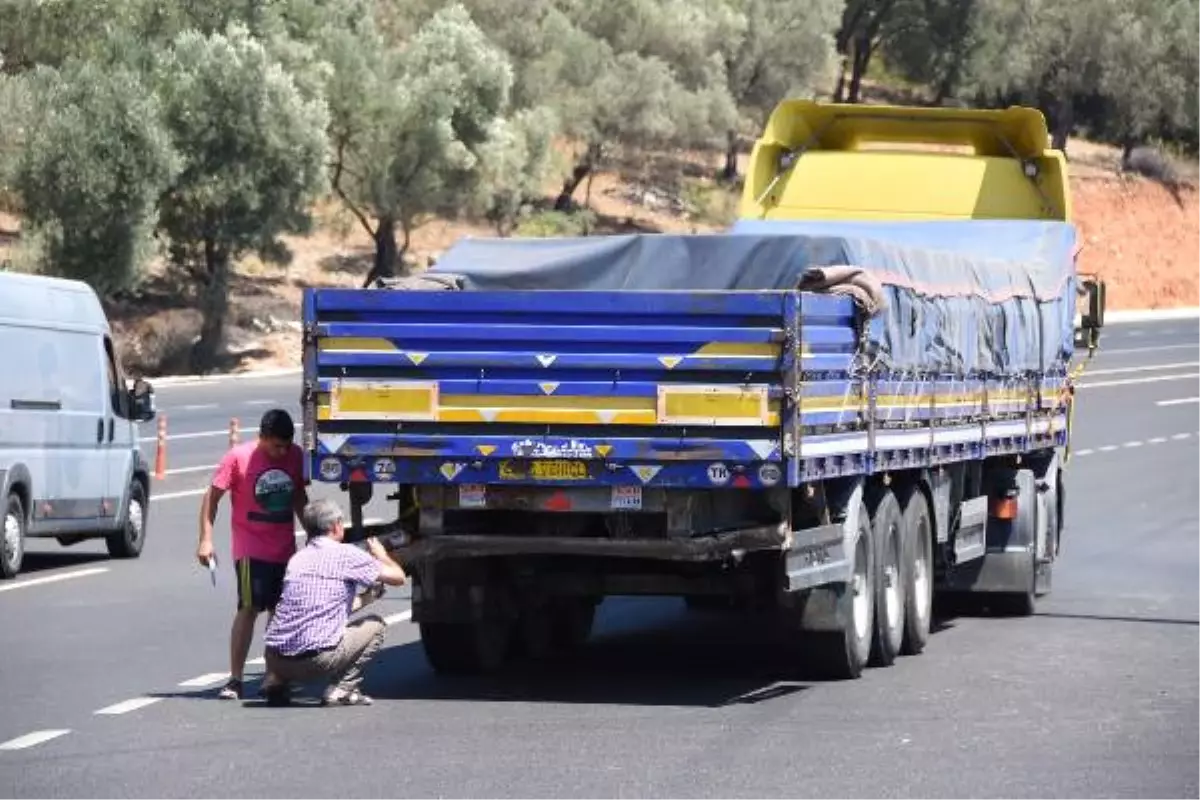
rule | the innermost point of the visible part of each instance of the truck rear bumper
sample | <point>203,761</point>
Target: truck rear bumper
<point>711,547</point>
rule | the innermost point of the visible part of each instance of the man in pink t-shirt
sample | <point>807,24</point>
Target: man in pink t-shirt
<point>265,482</point>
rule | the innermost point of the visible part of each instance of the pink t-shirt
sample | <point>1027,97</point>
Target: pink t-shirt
<point>263,495</point>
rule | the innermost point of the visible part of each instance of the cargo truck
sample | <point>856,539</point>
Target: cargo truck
<point>856,397</point>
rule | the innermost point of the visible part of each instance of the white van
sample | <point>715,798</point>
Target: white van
<point>70,466</point>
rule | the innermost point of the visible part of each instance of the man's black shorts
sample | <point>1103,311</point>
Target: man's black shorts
<point>260,583</point>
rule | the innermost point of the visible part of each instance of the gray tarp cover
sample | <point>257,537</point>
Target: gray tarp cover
<point>963,297</point>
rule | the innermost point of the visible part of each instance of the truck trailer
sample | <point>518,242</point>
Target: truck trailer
<point>859,395</point>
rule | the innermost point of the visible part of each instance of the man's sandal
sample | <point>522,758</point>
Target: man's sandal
<point>341,697</point>
<point>232,690</point>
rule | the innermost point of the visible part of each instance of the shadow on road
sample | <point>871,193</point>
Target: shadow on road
<point>40,562</point>
<point>644,652</point>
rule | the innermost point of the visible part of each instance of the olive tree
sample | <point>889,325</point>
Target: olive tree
<point>252,150</point>
<point>92,166</point>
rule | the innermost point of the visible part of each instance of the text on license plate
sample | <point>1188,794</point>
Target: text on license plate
<point>545,470</point>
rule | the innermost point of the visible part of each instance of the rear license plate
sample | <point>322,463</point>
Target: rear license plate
<point>627,498</point>
<point>472,495</point>
<point>558,470</point>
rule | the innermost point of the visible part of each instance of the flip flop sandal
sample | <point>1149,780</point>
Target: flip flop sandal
<point>231,690</point>
<point>339,697</point>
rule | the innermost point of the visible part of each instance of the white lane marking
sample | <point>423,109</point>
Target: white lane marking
<point>1084,452</point>
<point>403,616</point>
<point>1157,440</point>
<point>1177,437</point>
<point>1147,368</point>
<point>186,470</point>
<point>194,435</point>
<point>256,662</point>
<point>259,402</point>
<point>177,495</point>
<point>1132,444</point>
<point>1130,381</point>
<point>1108,448</point>
<point>1178,401</point>
<point>63,576</point>
<point>195,407</point>
<point>35,738</point>
<point>125,706</point>
<point>207,679</point>
<point>1125,350</point>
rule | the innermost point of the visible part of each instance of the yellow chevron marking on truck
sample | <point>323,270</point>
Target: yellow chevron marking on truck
<point>604,450</point>
<point>485,449</point>
<point>670,362</point>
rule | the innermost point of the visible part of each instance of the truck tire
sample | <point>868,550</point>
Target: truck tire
<point>129,540</point>
<point>918,573</point>
<point>12,543</point>
<point>466,648</point>
<point>571,621</point>
<point>1044,581</point>
<point>843,654</point>
<point>887,532</point>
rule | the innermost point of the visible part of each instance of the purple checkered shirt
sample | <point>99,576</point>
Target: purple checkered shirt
<point>318,590</point>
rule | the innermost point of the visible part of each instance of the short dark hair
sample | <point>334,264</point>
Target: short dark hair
<point>277,424</point>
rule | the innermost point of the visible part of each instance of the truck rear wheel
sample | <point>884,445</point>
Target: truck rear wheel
<point>887,533</point>
<point>918,573</point>
<point>466,648</point>
<point>571,621</point>
<point>841,655</point>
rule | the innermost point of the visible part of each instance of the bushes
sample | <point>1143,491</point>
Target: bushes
<point>160,344</point>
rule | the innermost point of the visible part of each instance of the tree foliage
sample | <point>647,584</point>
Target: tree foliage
<point>216,122</point>
<point>252,150</point>
<point>91,171</point>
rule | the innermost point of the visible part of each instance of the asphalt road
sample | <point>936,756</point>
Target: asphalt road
<point>107,668</point>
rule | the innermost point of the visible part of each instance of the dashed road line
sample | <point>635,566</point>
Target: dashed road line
<point>259,402</point>
<point>1178,401</point>
<point>1145,368</point>
<point>1109,448</point>
<point>207,679</point>
<point>186,470</point>
<point>171,437</point>
<point>125,706</point>
<point>62,576</point>
<point>32,739</point>
<point>403,616</point>
<point>1131,381</point>
<point>198,406</point>
<point>177,495</point>
<point>1124,350</point>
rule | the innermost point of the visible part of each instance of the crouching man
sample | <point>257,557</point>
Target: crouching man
<point>308,638</point>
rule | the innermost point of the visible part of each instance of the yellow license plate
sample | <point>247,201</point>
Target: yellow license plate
<point>545,471</point>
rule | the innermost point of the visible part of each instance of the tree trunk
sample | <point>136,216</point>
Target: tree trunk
<point>386,252</point>
<point>730,172</point>
<point>861,60</point>
<point>1127,146</point>
<point>839,91</point>
<point>1064,120</point>
<point>582,170</point>
<point>214,306</point>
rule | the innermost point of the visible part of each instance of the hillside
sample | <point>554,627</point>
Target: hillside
<point>1142,238</point>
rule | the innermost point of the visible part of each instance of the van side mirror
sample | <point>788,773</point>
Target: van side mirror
<point>141,401</point>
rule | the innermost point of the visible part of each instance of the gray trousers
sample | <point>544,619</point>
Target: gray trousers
<point>343,665</point>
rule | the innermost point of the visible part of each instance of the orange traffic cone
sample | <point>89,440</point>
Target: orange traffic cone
<point>160,454</point>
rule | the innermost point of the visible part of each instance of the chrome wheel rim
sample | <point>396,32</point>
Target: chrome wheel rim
<point>861,588</point>
<point>891,581</point>
<point>12,537</point>
<point>921,584</point>
<point>136,522</point>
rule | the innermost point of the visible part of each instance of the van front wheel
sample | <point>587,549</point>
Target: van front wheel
<point>12,538</point>
<point>127,542</point>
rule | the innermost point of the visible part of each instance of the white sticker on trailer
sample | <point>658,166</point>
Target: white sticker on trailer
<point>627,498</point>
<point>472,495</point>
